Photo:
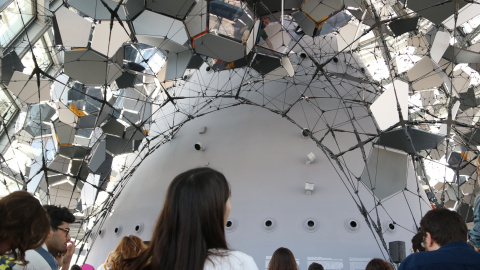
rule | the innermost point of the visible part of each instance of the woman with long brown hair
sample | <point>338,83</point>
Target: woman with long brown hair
<point>129,247</point>
<point>24,225</point>
<point>282,259</point>
<point>190,231</point>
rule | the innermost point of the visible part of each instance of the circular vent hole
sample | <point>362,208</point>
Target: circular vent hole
<point>310,223</point>
<point>268,223</point>
<point>353,224</point>
<point>229,224</point>
<point>116,230</point>
<point>335,59</point>
<point>137,228</point>
<point>391,226</point>
<point>303,55</point>
<point>208,68</point>
<point>362,70</point>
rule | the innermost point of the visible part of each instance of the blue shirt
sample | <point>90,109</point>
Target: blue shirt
<point>474,233</point>
<point>456,255</point>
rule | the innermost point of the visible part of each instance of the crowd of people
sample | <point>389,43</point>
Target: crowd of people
<point>190,234</point>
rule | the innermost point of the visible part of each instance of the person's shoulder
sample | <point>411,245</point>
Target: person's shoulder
<point>231,259</point>
<point>238,254</point>
<point>415,260</point>
<point>35,261</point>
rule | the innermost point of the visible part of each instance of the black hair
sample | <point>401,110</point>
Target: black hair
<point>444,226</point>
<point>315,266</point>
<point>417,241</point>
<point>58,215</point>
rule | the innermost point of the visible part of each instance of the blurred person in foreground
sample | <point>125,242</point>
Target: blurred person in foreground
<point>445,240</point>
<point>24,225</point>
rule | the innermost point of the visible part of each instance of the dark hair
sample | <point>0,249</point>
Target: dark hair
<point>315,266</point>
<point>24,224</point>
<point>190,223</point>
<point>129,247</point>
<point>282,259</point>
<point>379,264</point>
<point>417,241</point>
<point>75,267</point>
<point>58,215</point>
<point>444,226</point>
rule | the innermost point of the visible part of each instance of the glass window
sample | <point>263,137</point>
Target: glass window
<point>42,54</point>
<point>14,18</point>
<point>8,108</point>
<point>230,18</point>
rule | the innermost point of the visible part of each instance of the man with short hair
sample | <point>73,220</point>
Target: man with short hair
<point>417,242</point>
<point>57,251</point>
<point>445,240</point>
<point>315,266</point>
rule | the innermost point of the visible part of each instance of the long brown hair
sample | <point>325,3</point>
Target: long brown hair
<point>282,259</point>
<point>379,264</point>
<point>24,223</point>
<point>129,247</point>
<point>190,223</point>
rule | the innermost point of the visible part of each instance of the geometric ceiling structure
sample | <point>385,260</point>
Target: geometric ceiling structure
<point>91,88</point>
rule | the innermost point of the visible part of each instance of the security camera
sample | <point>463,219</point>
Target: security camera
<point>199,146</point>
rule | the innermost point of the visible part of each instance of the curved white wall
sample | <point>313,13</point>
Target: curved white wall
<point>263,156</point>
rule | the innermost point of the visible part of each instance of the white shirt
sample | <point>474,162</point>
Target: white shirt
<point>229,260</point>
<point>35,261</point>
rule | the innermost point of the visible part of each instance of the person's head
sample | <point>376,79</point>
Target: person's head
<point>24,224</point>
<point>282,259</point>
<point>191,222</point>
<point>265,21</point>
<point>129,247</point>
<point>417,241</point>
<point>315,266</point>
<point>441,226</point>
<point>379,264</point>
<point>75,267</point>
<point>60,219</point>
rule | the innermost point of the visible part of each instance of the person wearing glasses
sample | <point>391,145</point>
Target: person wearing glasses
<point>57,251</point>
<point>444,234</point>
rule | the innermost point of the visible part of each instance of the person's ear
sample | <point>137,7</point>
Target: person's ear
<point>428,239</point>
